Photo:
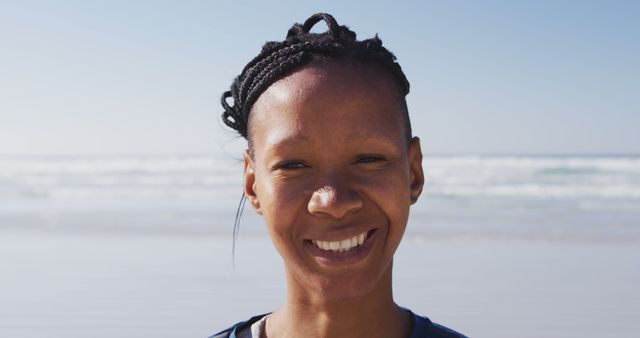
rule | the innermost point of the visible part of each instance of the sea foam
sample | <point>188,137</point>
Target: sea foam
<point>463,194</point>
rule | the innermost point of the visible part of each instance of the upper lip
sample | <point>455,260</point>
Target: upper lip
<point>340,235</point>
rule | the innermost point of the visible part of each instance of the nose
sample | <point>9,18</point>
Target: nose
<point>334,200</point>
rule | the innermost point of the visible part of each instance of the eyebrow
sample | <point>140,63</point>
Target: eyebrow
<point>284,140</point>
<point>363,136</point>
<point>289,140</point>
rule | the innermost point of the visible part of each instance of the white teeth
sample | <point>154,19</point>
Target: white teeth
<point>321,244</point>
<point>343,245</point>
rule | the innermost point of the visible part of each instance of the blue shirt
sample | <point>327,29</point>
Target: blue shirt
<point>422,328</point>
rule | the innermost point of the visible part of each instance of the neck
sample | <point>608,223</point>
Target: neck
<point>373,314</point>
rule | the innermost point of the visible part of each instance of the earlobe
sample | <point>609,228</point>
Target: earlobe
<point>415,167</point>
<point>250,182</point>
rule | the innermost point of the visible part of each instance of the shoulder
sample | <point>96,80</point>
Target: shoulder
<point>426,328</point>
<point>231,331</point>
<point>440,331</point>
<point>223,334</point>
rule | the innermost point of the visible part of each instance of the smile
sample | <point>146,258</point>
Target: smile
<point>343,245</point>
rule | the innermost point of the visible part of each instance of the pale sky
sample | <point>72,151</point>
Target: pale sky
<point>487,77</point>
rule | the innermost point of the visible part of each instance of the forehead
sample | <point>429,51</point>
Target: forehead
<point>340,100</point>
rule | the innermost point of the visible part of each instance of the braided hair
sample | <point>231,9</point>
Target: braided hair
<point>300,48</point>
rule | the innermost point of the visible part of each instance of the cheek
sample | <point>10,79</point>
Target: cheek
<point>280,197</point>
<point>391,186</point>
<point>390,192</point>
<point>281,204</point>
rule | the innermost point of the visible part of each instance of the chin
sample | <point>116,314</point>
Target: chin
<point>341,290</point>
<point>351,287</point>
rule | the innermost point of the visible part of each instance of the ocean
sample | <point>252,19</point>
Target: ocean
<point>593,198</point>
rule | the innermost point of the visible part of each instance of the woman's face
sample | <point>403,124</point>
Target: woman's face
<point>333,175</point>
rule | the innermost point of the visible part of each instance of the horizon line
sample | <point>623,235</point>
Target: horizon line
<point>438,154</point>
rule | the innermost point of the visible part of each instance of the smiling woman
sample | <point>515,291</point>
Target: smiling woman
<point>333,168</point>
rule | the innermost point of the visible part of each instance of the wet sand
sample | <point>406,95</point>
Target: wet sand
<point>118,286</point>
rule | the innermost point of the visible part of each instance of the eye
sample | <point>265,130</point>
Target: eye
<point>290,165</point>
<point>370,158</point>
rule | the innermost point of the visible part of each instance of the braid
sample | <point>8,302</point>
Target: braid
<point>278,59</point>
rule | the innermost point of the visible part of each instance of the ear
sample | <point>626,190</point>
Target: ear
<point>250,182</point>
<point>415,168</point>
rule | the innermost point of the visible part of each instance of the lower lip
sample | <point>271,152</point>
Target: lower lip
<point>352,256</point>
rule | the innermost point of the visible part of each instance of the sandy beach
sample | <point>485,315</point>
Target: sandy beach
<point>115,286</point>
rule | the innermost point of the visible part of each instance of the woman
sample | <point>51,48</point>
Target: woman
<point>332,167</point>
